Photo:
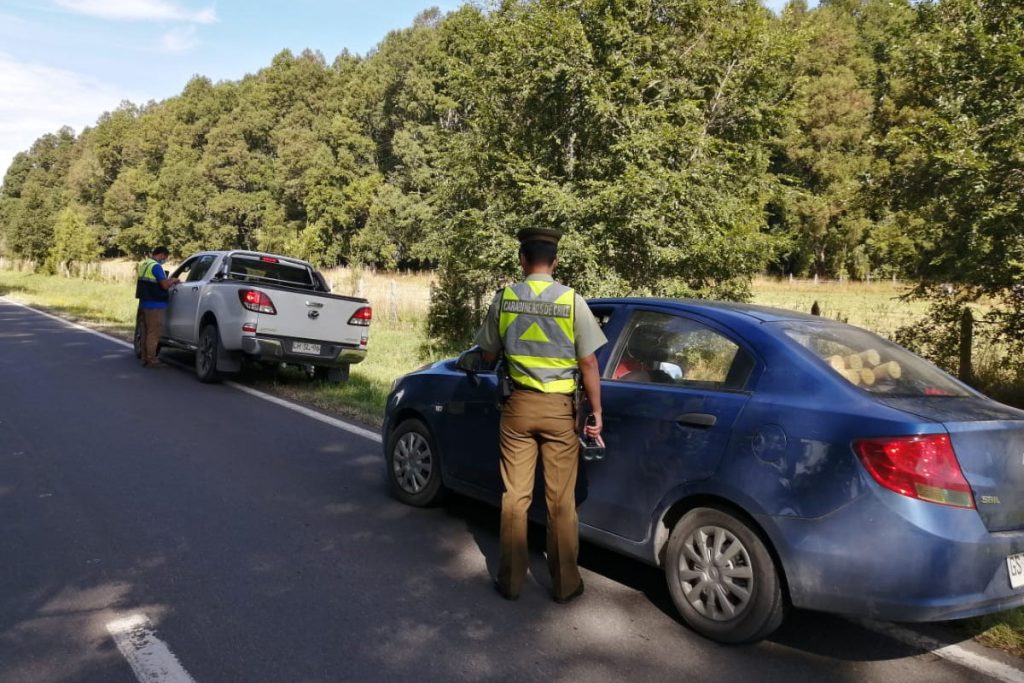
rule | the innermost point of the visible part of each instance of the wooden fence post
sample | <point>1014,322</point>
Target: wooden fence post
<point>393,301</point>
<point>966,344</point>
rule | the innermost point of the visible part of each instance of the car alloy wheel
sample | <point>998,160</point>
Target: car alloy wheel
<point>414,464</point>
<point>715,573</point>
<point>206,354</point>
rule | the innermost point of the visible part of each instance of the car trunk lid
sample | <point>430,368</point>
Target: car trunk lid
<point>988,439</point>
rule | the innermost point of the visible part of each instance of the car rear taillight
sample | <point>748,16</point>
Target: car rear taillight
<point>361,317</point>
<point>255,300</point>
<point>922,467</point>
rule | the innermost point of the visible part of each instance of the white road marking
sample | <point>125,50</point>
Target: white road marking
<point>148,656</point>
<point>69,323</point>
<point>302,410</point>
<point>953,653</point>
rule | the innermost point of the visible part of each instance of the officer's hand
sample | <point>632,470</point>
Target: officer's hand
<point>594,430</point>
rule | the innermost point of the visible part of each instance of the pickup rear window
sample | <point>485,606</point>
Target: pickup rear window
<point>256,269</point>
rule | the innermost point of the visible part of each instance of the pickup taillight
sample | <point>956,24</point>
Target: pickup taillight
<point>257,301</point>
<point>362,317</point>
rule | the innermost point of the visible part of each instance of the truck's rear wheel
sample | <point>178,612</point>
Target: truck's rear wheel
<point>335,375</point>
<point>207,353</point>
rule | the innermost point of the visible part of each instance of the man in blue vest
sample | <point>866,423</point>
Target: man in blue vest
<point>549,337</point>
<point>151,291</point>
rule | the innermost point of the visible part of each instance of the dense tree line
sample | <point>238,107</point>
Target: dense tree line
<point>683,146</point>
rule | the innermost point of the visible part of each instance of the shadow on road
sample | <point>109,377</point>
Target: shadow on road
<point>815,633</point>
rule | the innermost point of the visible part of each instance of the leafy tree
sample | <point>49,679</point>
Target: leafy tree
<point>74,242</point>
<point>957,175</point>
<point>33,194</point>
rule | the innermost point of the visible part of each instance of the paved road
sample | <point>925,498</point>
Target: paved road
<point>263,546</point>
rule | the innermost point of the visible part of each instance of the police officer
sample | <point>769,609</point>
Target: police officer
<point>151,291</point>
<point>549,337</point>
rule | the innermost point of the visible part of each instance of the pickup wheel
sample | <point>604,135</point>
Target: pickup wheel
<point>207,353</point>
<point>333,375</point>
<point>137,340</point>
<point>414,465</point>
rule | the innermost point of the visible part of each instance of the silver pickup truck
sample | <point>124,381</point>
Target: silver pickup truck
<point>237,305</point>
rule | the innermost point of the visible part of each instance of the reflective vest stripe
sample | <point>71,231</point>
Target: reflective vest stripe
<point>536,326</point>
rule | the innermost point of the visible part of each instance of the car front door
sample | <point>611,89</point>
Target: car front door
<point>184,297</point>
<point>672,389</point>
<point>470,434</point>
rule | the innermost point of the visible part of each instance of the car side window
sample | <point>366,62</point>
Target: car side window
<point>185,268</point>
<point>200,267</point>
<point>670,349</point>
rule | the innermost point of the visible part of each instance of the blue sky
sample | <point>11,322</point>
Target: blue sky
<point>65,62</point>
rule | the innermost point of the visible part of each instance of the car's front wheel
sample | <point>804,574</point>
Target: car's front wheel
<point>137,338</point>
<point>414,466</point>
<point>722,578</point>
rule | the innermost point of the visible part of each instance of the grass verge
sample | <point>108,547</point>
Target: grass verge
<point>395,349</point>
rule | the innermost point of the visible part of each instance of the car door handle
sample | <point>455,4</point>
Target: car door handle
<point>195,289</point>
<point>697,419</point>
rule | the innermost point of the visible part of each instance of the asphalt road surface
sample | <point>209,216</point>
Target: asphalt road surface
<point>262,545</point>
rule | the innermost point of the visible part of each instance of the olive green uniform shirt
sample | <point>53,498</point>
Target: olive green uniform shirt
<point>589,337</point>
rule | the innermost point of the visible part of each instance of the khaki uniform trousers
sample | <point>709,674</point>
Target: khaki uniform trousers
<point>533,422</point>
<point>152,326</point>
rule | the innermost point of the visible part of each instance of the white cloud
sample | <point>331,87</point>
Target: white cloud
<point>178,40</point>
<point>139,10</point>
<point>37,99</point>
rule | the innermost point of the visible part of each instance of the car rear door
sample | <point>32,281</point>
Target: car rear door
<point>672,389</point>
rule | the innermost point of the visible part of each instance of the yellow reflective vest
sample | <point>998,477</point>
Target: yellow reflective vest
<point>536,327</point>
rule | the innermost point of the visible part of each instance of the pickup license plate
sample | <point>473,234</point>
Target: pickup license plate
<point>1015,567</point>
<point>302,347</point>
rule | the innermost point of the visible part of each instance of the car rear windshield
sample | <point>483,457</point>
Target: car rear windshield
<point>271,270</point>
<point>871,362</point>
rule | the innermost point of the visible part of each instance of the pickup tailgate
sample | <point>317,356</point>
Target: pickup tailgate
<point>310,317</point>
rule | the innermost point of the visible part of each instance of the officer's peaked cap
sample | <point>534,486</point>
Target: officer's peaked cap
<point>539,234</point>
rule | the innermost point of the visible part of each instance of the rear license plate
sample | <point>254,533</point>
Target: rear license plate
<point>1015,567</point>
<point>302,347</point>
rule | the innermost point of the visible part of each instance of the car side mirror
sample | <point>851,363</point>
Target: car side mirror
<point>471,361</point>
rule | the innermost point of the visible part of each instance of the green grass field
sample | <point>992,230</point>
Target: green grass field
<point>396,342</point>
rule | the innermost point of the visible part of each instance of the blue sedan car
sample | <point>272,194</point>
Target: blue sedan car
<point>764,459</point>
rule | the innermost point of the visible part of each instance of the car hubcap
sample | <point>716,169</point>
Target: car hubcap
<point>412,462</point>
<point>715,573</point>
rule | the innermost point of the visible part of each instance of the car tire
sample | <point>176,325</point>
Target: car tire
<point>137,340</point>
<point>337,375</point>
<point>414,465</point>
<point>207,352</point>
<point>722,578</point>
